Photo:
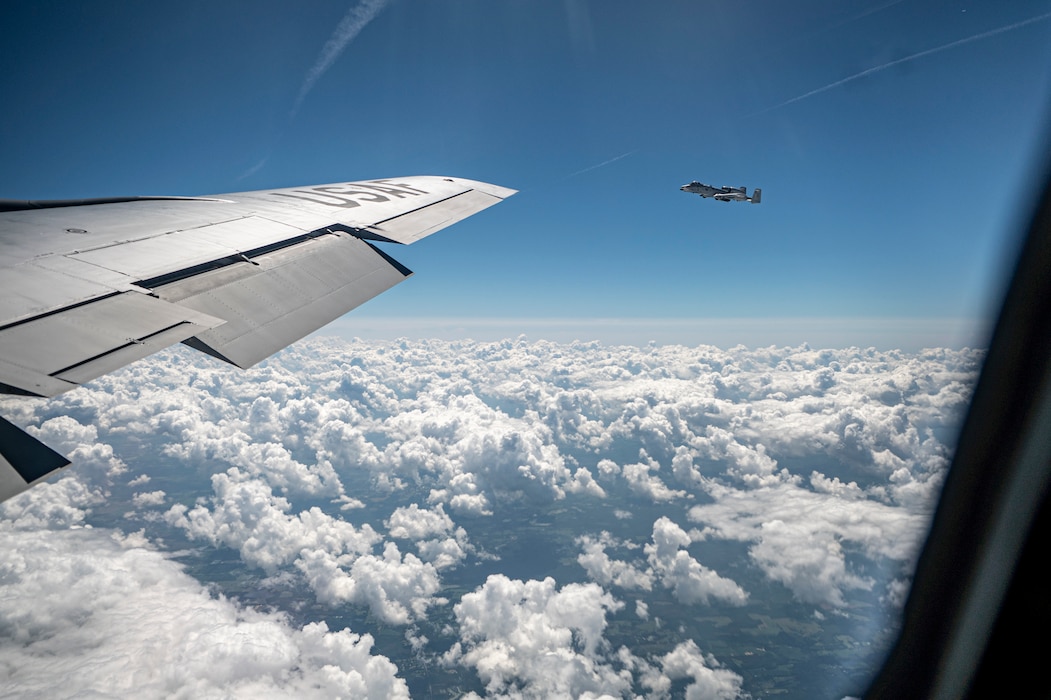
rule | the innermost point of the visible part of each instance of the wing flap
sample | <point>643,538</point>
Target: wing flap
<point>30,290</point>
<point>274,299</point>
<point>23,460</point>
<point>53,353</point>
<point>133,350</point>
<point>239,277</point>
<point>15,379</point>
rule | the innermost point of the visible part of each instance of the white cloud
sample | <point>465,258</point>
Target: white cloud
<point>438,414</point>
<point>397,587</point>
<point>477,422</point>
<point>54,505</point>
<point>800,537</point>
<point>413,522</point>
<point>606,571</point>
<point>669,563</point>
<point>477,450</point>
<point>438,541</point>
<point>688,580</point>
<point>709,681</point>
<point>148,498</point>
<point>528,638</point>
<point>90,615</point>
<point>819,462</point>
<point>643,480</point>
<point>95,462</point>
<point>444,553</point>
<point>335,557</point>
<point>247,516</point>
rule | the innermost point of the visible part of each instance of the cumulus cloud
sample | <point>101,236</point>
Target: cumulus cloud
<point>611,572</point>
<point>668,563</point>
<point>131,621</point>
<point>96,463</point>
<point>413,522</point>
<point>480,423</point>
<point>335,557</point>
<point>51,505</point>
<point>709,681</point>
<point>531,636</point>
<point>801,537</point>
<point>685,576</point>
<point>354,471</point>
<point>148,498</point>
<point>247,516</point>
<point>529,639</point>
<point>438,541</point>
<point>481,454</point>
<point>643,480</point>
<point>398,587</point>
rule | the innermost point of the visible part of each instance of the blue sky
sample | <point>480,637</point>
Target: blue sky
<point>894,195</point>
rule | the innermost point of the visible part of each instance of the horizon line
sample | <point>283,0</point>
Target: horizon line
<point>910,333</point>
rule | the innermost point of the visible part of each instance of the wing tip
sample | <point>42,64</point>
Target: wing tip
<point>486,187</point>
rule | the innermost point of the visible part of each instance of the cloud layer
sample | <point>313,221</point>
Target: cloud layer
<point>84,613</point>
<point>373,476</point>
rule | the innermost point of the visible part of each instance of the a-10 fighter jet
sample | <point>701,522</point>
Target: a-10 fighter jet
<point>723,194</point>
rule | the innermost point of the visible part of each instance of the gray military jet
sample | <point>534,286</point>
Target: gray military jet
<point>723,194</point>
<point>88,286</point>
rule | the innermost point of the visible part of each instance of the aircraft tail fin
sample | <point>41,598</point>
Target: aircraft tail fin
<point>757,197</point>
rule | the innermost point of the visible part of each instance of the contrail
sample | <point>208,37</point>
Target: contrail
<point>254,169</point>
<point>349,27</point>
<point>837,25</point>
<point>868,12</point>
<point>913,57</point>
<point>602,164</point>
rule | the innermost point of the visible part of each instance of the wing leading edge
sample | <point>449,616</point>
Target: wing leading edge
<point>91,286</point>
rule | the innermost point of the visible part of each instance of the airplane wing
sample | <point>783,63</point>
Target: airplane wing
<point>88,286</point>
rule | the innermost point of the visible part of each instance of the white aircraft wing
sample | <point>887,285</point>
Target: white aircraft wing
<point>88,286</point>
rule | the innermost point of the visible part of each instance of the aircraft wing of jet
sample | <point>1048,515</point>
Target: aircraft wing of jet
<point>88,286</point>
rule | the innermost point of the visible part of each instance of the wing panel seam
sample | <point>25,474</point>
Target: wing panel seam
<point>227,260</point>
<point>421,208</point>
<point>53,312</point>
<point>131,342</point>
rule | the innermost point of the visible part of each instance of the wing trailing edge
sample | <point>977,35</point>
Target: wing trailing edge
<point>54,352</point>
<point>268,302</point>
<point>88,286</point>
<point>24,460</point>
<point>419,223</point>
